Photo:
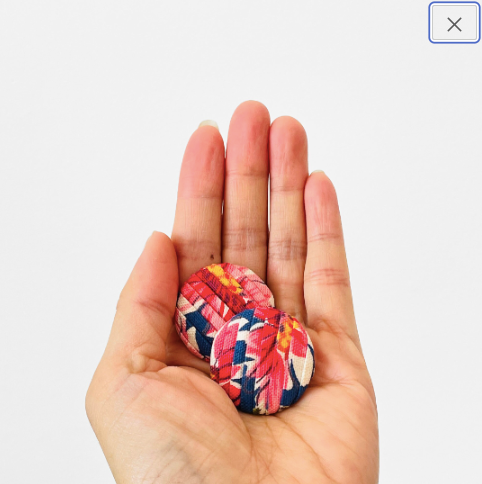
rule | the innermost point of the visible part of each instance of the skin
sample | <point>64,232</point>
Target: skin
<point>158,416</point>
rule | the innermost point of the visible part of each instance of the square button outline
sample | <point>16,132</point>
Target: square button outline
<point>460,42</point>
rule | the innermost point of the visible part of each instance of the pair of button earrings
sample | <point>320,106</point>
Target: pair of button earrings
<point>262,357</point>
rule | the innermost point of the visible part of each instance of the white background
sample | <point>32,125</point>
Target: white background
<point>97,101</point>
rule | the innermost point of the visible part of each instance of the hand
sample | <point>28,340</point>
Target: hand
<point>158,416</point>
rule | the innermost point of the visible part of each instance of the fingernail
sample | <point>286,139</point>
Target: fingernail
<point>150,236</point>
<point>317,171</point>
<point>209,122</point>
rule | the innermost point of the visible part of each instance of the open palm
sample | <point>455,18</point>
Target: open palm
<point>157,414</point>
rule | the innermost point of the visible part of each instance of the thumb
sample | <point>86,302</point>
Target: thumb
<point>146,308</point>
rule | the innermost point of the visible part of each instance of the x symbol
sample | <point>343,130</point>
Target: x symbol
<point>454,24</point>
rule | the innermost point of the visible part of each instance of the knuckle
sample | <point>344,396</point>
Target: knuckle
<point>250,171</point>
<point>329,236</point>
<point>328,276</point>
<point>194,249</point>
<point>287,249</point>
<point>286,184</point>
<point>245,238</point>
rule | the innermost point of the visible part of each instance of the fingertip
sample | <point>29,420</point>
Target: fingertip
<point>252,111</point>
<point>207,134</point>
<point>155,234</point>
<point>159,235</point>
<point>288,153</point>
<point>320,188</point>
<point>202,169</point>
<point>247,147</point>
<point>203,137</point>
<point>160,244</point>
<point>288,144</point>
<point>288,125</point>
<point>321,205</point>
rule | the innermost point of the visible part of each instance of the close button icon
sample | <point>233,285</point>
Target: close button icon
<point>454,22</point>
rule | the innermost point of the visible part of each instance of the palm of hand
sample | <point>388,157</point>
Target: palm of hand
<point>158,416</point>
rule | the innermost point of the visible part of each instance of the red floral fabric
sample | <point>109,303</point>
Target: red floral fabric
<point>211,297</point>
<point>264,360</point>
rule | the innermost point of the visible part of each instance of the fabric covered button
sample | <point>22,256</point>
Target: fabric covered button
<point>211,297</point>
<point>264,360</point>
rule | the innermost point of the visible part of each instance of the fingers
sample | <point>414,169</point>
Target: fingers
<point>146,307</point>
<point>197,225</point>
<point>327,285</point>
<point>245,220</point>
<point>288,160</point>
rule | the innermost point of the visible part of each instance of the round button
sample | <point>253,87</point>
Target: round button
<point>211,297</point>
<point>264,359</point>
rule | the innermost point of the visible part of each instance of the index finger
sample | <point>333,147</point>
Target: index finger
<point>197,225</point>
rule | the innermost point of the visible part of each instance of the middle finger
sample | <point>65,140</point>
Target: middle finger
<point>245,219</point>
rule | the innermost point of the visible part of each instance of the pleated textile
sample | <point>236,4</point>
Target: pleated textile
<point>211,297</point>
<point>264,359</point>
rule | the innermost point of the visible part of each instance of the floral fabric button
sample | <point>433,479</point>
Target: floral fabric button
<point>264,360</point>
<point>211,297</point>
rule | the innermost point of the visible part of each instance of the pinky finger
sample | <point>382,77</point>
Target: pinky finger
<point>328,295</point>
